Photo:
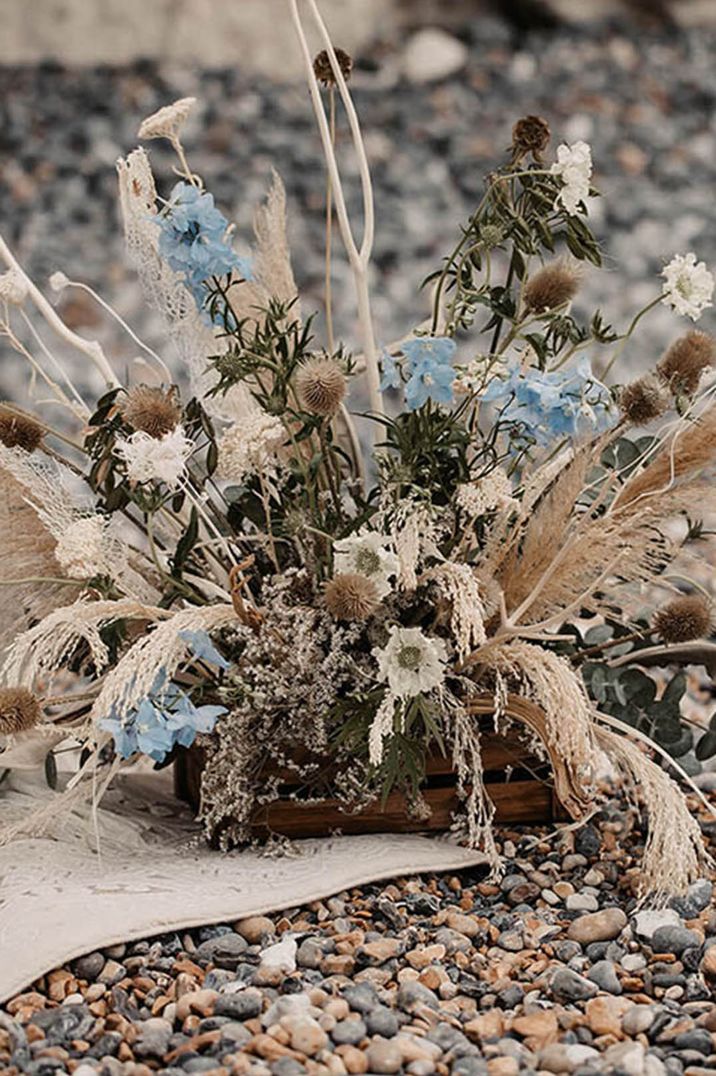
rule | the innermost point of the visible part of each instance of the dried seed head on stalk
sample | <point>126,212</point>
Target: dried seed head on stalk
<point>324,72</point>
<point>321,385</point>
<point>167,122</point>
<point>351,597</point>
<point>19,710</point>
<point>685,361</point>
<point>643,400</point>
<point>151,410</point>
<point>19,431</point>
<point>530,134</point>
<point>551,286</point>
<point>685,618</point>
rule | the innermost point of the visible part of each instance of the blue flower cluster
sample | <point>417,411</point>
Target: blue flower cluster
<point>552,405</point>
<point>167,717</point>
<point>193,240</point>
<point>428,364</point>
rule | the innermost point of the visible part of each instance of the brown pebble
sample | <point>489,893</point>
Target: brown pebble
<point>254,928</point>
<point>597,926</point>
<point>354,1059</point>
<point>463,924</point>
<point>337,964</point>
<point>489,1025</point>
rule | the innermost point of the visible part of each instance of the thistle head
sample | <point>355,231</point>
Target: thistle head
<point>151,410</point>
<point>19,710</point>
<point>321,385</point>
<point>688,617</point>
<point>530,134</point>
<point>643,400</point>
<point>323,70</point>
<point>551,286</point>
<point>685,361</point>
<point>351,597</point>
<point>19,430</point>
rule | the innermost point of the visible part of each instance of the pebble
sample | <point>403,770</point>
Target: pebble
<point>604,975</point>
<point>254,929</point>
<point>566,1058</point>
<point>431,55</point>
<point>569,985</point>
<point>384,1056</point>
<point>597,926</point>
<point>674,939</point>
<point>226,951</point>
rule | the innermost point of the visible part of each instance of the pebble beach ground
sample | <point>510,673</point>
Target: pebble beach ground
<point>552,969</point>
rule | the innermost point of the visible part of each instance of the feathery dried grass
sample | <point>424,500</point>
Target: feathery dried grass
<point>459,586</point>
<point>131,679</point>
<point>674,854</point>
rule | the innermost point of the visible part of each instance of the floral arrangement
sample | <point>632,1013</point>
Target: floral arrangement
<point>223,554</point>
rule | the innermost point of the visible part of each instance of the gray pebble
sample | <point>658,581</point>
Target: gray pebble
<point>350,1032</point>
<point>412,995</point>
<point>603,974</point>
<point>89,967</point>
<point>674,939</point>
<point>243,1005</point>
<point>224,951</point>
<point>382,1021</point>
<point>569,985</point>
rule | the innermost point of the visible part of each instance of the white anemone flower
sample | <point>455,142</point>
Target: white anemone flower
<point>688,285</point>
<point>411,662</point>
<point>574,168</point>
<point>155,459</point>
<point>367,553</point>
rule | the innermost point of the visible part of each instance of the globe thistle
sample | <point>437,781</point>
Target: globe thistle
<point>19,710</point>
<point>551,287</point>
<point>351,597</point>
<point>323,70</point>
<point>685,618</point>
<point>531,134</point>
<point>643,400</point>
<point>321,386</point>
<point>151,410</point>
<point>685,361</point>
<point>19,430</point>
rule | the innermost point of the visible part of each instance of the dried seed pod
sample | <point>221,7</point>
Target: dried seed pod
<point>351,597</point>
<point>321,386</point>
<point>531,134</point>
<point>323,70</point>
<point>19,710</point>
<point>643,400</point>
<point>19,431</point>
<point>551,286</point>
<point>685,618</point>
<point>151,410</point>
<point>685,361</point>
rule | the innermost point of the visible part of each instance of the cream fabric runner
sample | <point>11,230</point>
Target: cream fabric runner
<point>154,873</point>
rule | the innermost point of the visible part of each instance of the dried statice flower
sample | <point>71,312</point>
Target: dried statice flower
<point>531,134</point>
<point>250,446</point>
<point>685,361</point>
<point>19,430</point>
<point>351,597</point>
<point>685,618</point>
<point>168,121</point>
<point>489,493</point>
<point>323,70</point>
<point>13,288</point>
<point>19,710</point>
<point>321,385</point>
<point>151,409</point>
<point>551,286</point>
<point>643,400</point>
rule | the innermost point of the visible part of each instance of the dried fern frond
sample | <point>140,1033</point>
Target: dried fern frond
<point>674,854</point>
<point>161,649</point>
<point>687,451</point>
<point>43,648</point>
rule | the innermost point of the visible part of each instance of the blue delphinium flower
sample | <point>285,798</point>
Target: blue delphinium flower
<point>390,369</point>
<point>165,718</point>
<point>549,406</point>
<point>193,240</point>
<point>202,647</point>
<point>428,362</point>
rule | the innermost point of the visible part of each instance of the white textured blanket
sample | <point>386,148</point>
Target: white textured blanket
<point>59,899</point>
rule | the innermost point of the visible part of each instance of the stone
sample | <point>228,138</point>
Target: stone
<point>413,995</point>
<point>351,1031</point>
<point>698,1039</point>
<point>384,1056</point>
<point>281,956</point>
<point>604,1014</point>
<point>463,924</point>
<point>425,955</point>
<point>242,1005</point>
<point>486,1026</point>
<point>432,54</point>
<point>382,1021</point>
<point>469,1065</point>
<point>626,1058</point>
<point>571,986</point>
<point>697,897</point>
<point>540,1027</point>
<point>581,902</point>
<point>255,928</point>
<point>225,951</point>
<point>154,1036</point>
<point>310,953</point>
<point>112,972</point>
<point>597,926</point>
<point>674,939</point>
<point>708,964</point>
<point>562,1057</point>
<point>89,967</point>
<point>587,841</point>
<point>354,1060</point>
<point>604,975</point>
<point>647,922</point>
<point>378,952</point>
<point>638,1019</point>
<point>307,1036</point>
<point>361,997</point>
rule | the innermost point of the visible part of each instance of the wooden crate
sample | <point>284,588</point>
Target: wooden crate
<point>521,787</point>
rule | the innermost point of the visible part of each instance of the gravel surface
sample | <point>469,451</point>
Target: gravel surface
<point>644,99</point>
<point>552,969</point>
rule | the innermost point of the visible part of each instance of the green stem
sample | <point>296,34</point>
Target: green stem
<point>625,339</point>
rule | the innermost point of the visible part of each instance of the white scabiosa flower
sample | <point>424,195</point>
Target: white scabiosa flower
<point>249,447</point>
<point>168,121</point>
<point>368,554</point>
<point>155,459</point>
<point>688,285</point>
<point>86,549</point>
<point>13,288</point>
<point>411,663</point>
<point>574,168</point>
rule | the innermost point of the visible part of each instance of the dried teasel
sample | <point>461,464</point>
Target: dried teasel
<point>19,710</point>
<point>685,618</point>
<point>321,385</point>
<point>151,410</point>
<point>643,400</point>
<point>351,597</point>
<point>18,430</point>
<point>685,361</point>
<point>531,134</point>
<point>551,286</point>
<point>323,70</point>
